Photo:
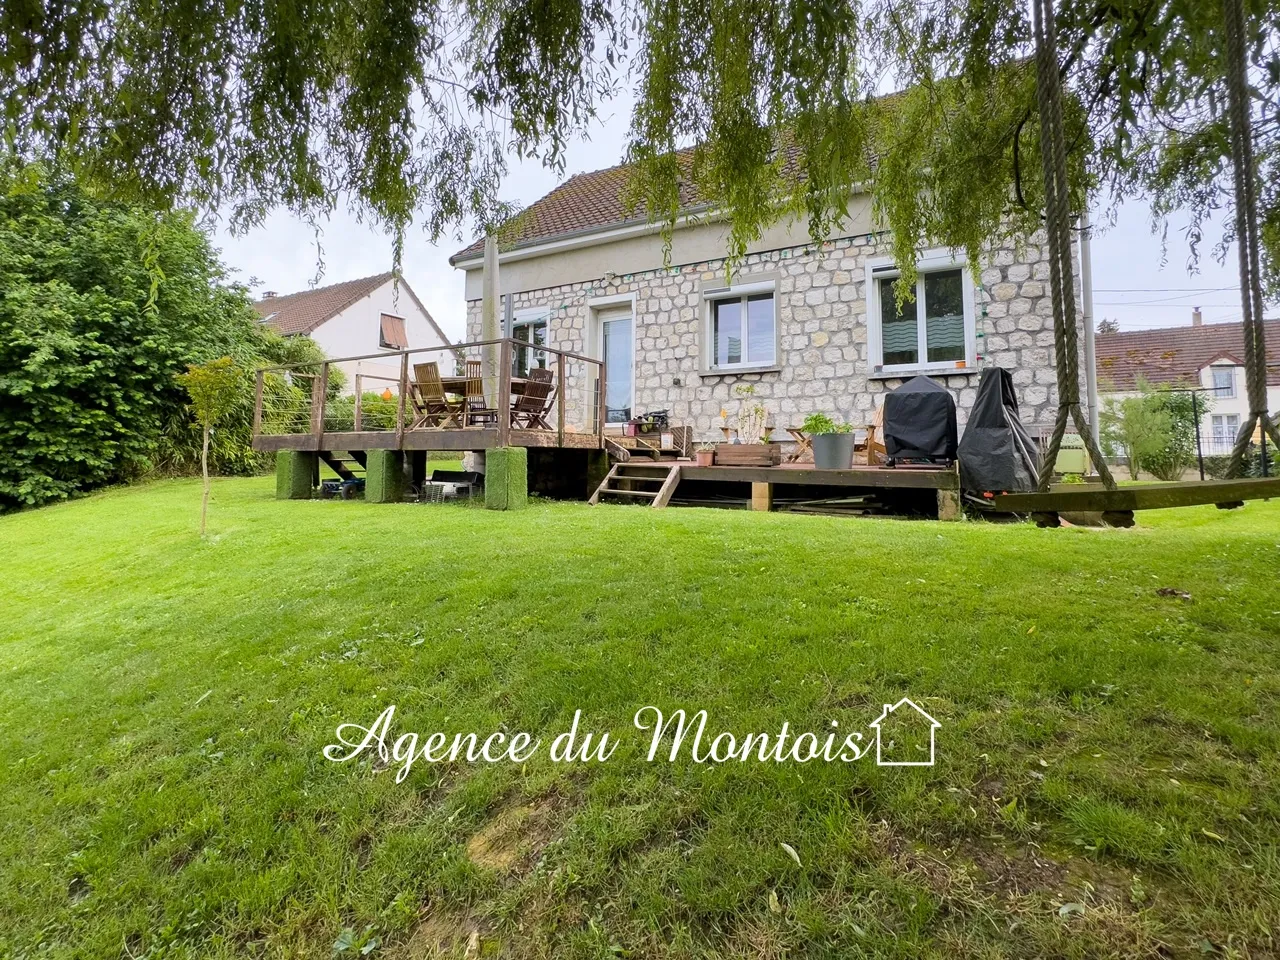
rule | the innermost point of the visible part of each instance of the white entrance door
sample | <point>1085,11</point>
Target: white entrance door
<point>617,351</point>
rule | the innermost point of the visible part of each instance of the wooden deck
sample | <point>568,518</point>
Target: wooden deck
<point>802,474</point>
<point>469,438</point>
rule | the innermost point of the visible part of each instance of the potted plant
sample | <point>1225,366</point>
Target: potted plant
<point>705,455</point>
<point>749,446</point>
<point>832,442</point>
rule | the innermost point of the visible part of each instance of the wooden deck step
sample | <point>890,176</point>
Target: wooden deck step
<point>342,465</point>
<point>632,472</point>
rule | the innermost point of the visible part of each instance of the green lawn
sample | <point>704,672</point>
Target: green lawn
<point>1107,766</point>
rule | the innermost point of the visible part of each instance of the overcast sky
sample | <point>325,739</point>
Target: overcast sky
<point>1133,282</point>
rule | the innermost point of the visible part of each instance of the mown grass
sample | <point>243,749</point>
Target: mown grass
<point>1105,785</point>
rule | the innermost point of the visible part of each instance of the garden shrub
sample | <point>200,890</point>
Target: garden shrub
<point>101,306</point>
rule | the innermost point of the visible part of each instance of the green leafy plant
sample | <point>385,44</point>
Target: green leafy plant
<point>817,423</point>
<point>1134,427</point>
<point>103,305</point>
<point>214,388</point>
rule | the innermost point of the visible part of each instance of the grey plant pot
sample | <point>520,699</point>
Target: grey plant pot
<point>833,451</point>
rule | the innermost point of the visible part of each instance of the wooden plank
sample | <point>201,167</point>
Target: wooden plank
<point>909,479</point>
<point>762,497</point>
<point>504,394</point>
<point>595,497</point>
<point>668,488</point>
<point>287,441</point>
<point>646,494</point>
<point>358,420</point>
<point>404,398</point>
<point>1147,496</point>
<point>318,390</point>
<point>485,438</point>
<point>560,399</point>
<point>257,402</point>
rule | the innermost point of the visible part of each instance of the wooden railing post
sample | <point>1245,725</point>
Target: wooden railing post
<point>319,390</point>
<point>603,414</point>
<point>404,398</point>
<point>504,394</point>
<point>357,420</point>
<point>257,402</point>
<point>560,399</point>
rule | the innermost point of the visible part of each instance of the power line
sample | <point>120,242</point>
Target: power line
<point>1161,289</point>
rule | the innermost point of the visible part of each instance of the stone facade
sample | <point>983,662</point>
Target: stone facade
<point>821,311</point>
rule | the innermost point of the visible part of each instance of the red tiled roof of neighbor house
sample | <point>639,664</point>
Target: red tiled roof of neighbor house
<point>303,312</point>
<point>1175,355</point>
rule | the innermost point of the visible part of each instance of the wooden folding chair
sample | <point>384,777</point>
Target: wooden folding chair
<point>477,407</point>
<point>531,407</point>
<point>431,407</point>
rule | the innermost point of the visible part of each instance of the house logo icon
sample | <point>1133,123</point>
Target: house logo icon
<point>899,730</point>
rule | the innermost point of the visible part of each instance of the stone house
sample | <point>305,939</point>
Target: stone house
<point>809,327</point>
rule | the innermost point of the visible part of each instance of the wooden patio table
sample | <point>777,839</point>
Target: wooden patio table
<point>458,385</point>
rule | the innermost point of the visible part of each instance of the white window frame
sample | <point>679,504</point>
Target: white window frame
<point>1228,392</point>
<point>1222,429</point>
<point>598,311</point>
<point>930,261</point>
<point>528,316</point>
<point>738,291</point>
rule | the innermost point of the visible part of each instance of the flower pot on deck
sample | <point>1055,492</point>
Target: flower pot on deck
<point>705,458</point>
<point>832,451</point>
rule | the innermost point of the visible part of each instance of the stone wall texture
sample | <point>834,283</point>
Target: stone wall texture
<point>822,315</point>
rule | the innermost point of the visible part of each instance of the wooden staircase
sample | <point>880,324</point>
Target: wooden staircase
<point>345,465</point>
<point>633,480</point>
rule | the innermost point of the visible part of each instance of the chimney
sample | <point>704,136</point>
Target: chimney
<point>268,294</point>
<point>1197,318</point>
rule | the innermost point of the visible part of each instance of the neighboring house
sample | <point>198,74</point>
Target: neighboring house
<point>366,316</point>
<point>811,327</point>
<point>1209,356</point>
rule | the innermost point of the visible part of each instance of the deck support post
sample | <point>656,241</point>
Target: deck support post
<point>294,472</point>
<point>949,505</point>
<point>506,478</point>
<point>384,480</point>
<point>762,496</point>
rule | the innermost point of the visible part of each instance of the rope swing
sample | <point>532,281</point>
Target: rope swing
<point>1053,158</point>
<point>1245,183</point>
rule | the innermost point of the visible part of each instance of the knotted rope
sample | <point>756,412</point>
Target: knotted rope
<point>1244,180</point>
<point>1053,159</point>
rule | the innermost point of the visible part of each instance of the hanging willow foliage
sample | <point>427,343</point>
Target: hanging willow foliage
<point>410,109</point>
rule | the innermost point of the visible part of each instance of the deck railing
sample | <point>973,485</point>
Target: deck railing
<point>380,388</point>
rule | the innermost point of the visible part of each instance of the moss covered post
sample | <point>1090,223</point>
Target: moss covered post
<point>384,477</point>
<point>506,478</point>
<point>295,471</point>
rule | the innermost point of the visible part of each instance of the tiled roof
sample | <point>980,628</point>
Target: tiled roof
<point>1176,355</point>
<point>592,201</point>
<point>302,312</point>
<point>584,202</point>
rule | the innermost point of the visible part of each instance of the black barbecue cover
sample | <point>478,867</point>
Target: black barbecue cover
<point>920,422</point>
<point>997,454</point>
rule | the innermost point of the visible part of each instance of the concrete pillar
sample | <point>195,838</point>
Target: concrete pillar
<point>506,478</point>
<point>294,472</point>
<point>384,480</point>
<point>762,496</point>
<point>949,505</point>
